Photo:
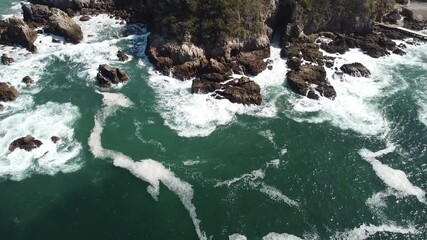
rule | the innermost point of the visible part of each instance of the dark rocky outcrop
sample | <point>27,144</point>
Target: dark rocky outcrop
<point>54,21</point>
<point>55,139</point>
<point>307,51</point>
<point>8,92</point>
<point>27,143</point>
<point>122,56</point>
<point>108,75</point>
<point>6,60</point>
<point>375,44</point>
<point>28,80</point>
<point>356,70</point>
<point>85,18</point>
<point>243,90</point>
<point>16,31</point>
<point>308,80</point>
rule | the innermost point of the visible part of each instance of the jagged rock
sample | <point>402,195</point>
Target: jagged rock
<point>1,107</point>
<point>294,63</point>
<point>374,45</point>
<point>253,62</point>
<point>8,92</point>
<point>27,143</point>
<point>243,90</point>
<point>356,70</point>
<point>204,86</point>
<point>403,2</point>
<point>61,24</point>
<point>122,56</point>
<point>35,14</point>
<point>54,20</point>
<point>55,139</point>
<point>85,18</point>
<point>16,31</point>
<point>399,51</point>
<point>308,51</point>
<point>310,79</point>
<point>108,75</point>
<point>28,80</point>
<point>6,60</point>
<point>215,71</point>
<point>392,17</point>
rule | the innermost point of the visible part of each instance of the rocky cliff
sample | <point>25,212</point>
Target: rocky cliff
<point>211,39</point>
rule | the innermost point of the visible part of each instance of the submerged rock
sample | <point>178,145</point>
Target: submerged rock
<point>7,60</point>
<point>122,56</point>
<point>27,143</point>
<point>108,75</point>
<point>16,31</point>
<point>308,80</point>
<point>1,107</point>
<point>8,92</point>
<point>356,70</point>
<point>55,139</point>
<point>28,80</point>
<point>399,51</point>
<point>85,18</point>
<point>242,90</point>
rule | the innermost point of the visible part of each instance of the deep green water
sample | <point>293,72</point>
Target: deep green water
<point>298,165</point>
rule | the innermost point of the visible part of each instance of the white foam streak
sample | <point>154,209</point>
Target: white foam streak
<point>365,231</point>
<point>237,236</point>
<point>148,170</point>
<point>254,179</point>
<point>277,195</point>
<point>393,178</point>
<point>282,236</point>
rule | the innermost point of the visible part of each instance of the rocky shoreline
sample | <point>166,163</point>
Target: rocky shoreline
<point>211,64</point>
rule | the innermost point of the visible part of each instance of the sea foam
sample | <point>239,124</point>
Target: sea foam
<point>393,178</point>
<point>280,236</point>
<point>365,231</point>
<point>45,121</point>
<point>148,170</point>
<point>198,115</point>
<point>253,180</point>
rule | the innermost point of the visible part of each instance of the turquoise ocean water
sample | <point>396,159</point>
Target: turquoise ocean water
<point>148,160</point>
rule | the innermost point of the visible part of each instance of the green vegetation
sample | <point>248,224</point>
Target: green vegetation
<point>209,20</point>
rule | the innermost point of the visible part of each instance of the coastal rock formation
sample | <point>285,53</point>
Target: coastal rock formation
<point>122,56</point>
<point>242,90</point>
<point>55,139</point>
<point>108,75</point>
<point>8,92</point>
<point>54,21</point>
<point>28,80</point>
<point>16,31</point>
<point>27,143</point>
<point>85,18</point>
<point>356,70</point>
<point>375,44</point>
<point>6,60</point>
<point>310,81</point>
